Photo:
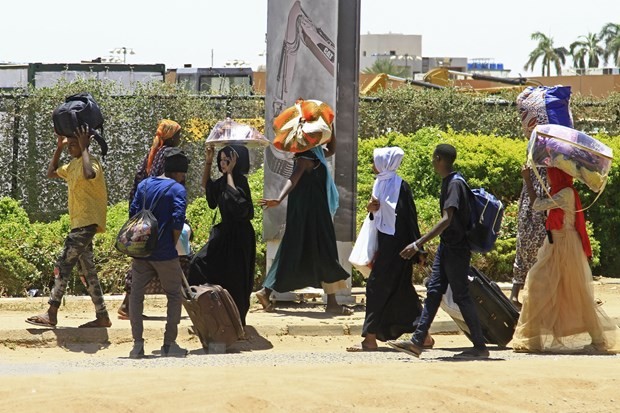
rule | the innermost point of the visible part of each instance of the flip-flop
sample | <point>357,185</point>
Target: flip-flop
<point>264,301</point>
<point>359,348</point>
<point>39,320</point>
<point>95,324</point>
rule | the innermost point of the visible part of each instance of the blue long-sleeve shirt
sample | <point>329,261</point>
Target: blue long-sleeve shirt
<point>169,211</point>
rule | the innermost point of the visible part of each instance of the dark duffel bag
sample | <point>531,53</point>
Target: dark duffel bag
<point>80,110</point>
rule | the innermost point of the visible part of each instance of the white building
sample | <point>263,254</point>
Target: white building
<point>402,49</point>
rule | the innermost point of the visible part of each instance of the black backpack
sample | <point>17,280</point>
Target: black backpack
<point>78,110</point>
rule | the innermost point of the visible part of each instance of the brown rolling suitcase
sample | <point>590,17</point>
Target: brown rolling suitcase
<point>214,314</point>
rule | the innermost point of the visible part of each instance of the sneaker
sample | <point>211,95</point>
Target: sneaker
<point>473,354</point>
<point>173,350</point>
<point>137,352</point>
<point>406,346</point>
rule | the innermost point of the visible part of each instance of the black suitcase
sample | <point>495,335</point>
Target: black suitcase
<point>498,316</point>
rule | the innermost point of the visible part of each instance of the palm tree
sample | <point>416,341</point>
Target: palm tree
<point>549,55</point>
<point>386,66</point>
<point>588,47</point>
<point>610,35</point>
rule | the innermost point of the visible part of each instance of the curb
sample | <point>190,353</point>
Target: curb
<point>64,336</point>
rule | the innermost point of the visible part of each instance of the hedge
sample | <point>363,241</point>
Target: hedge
<point>486,131</point>
<point>491,162</point>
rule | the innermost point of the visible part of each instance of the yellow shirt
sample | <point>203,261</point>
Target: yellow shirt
<point>88,198</point>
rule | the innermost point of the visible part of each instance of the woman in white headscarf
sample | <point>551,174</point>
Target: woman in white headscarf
<point>392,304</point>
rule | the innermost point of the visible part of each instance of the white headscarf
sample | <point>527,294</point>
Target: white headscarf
<point>387,187</point>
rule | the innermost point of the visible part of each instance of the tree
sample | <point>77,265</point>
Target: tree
<point>386,66</point>
<point>610,35</point>
<point>549,55</point>
<point>586,47</point>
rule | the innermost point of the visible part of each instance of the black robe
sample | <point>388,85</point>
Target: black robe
<point>392,304</point>
<point>229,257</point>
<point>308,253</point>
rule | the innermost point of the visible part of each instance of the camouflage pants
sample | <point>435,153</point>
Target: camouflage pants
<point>78,249</point>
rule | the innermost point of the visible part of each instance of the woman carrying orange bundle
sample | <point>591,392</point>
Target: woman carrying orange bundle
<point>307,255</point>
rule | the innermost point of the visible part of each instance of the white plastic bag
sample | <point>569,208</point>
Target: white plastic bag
<point>365,248</point>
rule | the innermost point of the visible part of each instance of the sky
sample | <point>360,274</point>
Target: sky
<point>212,32</point>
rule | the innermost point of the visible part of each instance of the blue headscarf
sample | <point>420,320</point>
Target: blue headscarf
<point>332,191</point>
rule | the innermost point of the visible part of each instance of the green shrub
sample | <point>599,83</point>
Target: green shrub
<point>31,249</point>
<point>491,162</point>
<point>15,272</point>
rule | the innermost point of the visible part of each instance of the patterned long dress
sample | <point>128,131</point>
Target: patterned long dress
<point>530,230</point>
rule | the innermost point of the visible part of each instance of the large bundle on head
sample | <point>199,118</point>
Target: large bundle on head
<point>544,105</point>
<point>303,126</point>
<point>77,111</point>
<point>229,132</point>
<point>572,151</point>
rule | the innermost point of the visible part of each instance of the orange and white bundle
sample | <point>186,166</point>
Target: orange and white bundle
<point>303,126</point>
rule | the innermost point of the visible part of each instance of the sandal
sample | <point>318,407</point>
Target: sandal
<point>359,348</point>
<point>263,299</point>
<point>340,310</point>
<point>97,323</point>
<point>41,320</point>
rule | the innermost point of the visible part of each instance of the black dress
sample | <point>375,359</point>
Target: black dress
<point>392,304</point>
<point>307,255</point>
<point>228,258</point>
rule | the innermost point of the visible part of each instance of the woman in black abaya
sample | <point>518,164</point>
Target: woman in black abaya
<point>392,304</point>
<point>229,257</point>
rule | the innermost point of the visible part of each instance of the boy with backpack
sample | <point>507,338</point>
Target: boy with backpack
<point>452,260</point>
<point>88,200</point>
<point>165,197</point>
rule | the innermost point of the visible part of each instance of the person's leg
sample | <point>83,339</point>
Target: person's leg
<point>262,296</point>
<point>514,294</point>
<point>375,298</point>
<point>123,310</point>
<point>170,275</point>
<point>332,305</point>
<point>88,273</point>
<point>435,289</point>
<point>457,261</point>
<point>143,272</point>
<point>75,243</point>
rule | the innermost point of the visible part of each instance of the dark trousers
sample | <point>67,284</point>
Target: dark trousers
<point>450,267</point>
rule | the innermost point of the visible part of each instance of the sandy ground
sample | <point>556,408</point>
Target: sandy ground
<point>284,373</point>
<point>304,374</point>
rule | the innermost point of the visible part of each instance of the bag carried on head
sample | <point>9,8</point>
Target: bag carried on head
<point>138,236</point>
<point>303,126</point>
<point>544,105</point>
<point>485,223</point>
<point>79,110</point>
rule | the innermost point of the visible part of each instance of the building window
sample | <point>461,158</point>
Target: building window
<point>364,53</point>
